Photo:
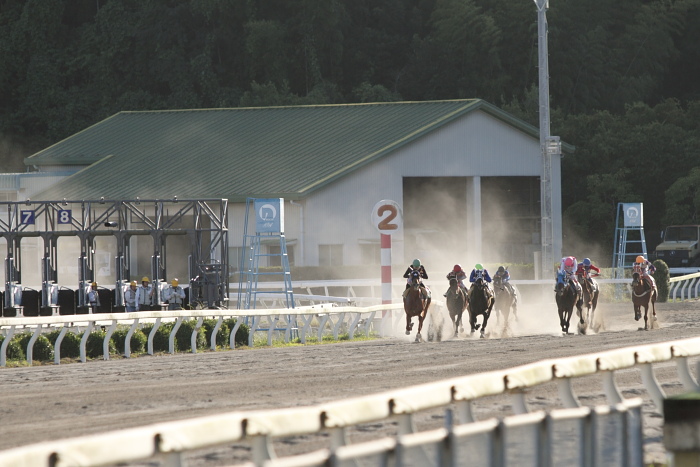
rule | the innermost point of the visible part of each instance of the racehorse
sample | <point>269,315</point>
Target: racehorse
<point>416,303</point>
<point>567,296</point>
<point>506,299</point>
<point>590,290</point>
<point>642,295</point>
<point>480,303</point>
<point>456,304</point>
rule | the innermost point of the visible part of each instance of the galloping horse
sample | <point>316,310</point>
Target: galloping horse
<point>506,299</point>
<point>642,295</point>
<point>567,296</point>
<point>416,304</point>
<point>480,303</point>
<point>590,289</point>
<point>456,304</point>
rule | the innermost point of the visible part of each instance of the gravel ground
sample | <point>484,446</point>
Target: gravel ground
<point>49,402</point>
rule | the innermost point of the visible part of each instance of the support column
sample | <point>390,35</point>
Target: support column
<point>474,231</point>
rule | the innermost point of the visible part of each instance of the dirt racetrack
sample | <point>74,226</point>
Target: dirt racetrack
<point>51,402</point>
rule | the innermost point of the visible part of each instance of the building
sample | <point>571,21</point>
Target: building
<point>466,174</point>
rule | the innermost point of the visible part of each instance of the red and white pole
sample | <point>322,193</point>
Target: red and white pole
<point>386,269</point>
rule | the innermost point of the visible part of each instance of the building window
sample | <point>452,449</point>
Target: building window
<point>370,253</point>
<point>330,255</point>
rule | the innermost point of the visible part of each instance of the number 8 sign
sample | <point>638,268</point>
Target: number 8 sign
<point>386,216</point>
<point>64,216</point>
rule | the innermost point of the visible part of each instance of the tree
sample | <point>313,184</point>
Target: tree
<point>683,200</point>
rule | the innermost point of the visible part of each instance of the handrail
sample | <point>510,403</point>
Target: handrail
<point>307,313</point>
<point>174,438</point>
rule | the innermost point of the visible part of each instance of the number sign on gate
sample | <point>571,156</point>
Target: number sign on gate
<point>65,216</point>
<point>27,217</point>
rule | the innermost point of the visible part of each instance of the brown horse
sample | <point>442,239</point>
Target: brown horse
<point>643,294</point>
<point>590,290</point>
<point>456,300</point>
<point>480,303</point>
<point>506,299</point>
<point>567,295</point>
<point>416,303</point>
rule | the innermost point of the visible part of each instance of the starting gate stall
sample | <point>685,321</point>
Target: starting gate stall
<point>203,221</point>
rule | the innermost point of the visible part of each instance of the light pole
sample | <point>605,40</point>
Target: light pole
<point>549,145</point>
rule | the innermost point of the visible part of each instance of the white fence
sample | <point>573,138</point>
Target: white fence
<point>604,435</point>
<point>685,287</point>
<point>301,322</point>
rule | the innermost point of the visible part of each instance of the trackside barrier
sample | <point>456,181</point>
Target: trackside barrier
<point>321,317</point>
<point>685,287</point>
<point>604,435</point>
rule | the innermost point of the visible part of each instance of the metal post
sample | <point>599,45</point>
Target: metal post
<point>546,176</point>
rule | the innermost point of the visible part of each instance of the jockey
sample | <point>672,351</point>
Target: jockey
<point>414,266</point>
<point>459,274</point>
<point>645,270</point>
<point>567,271</point>
<point>584,269</point>
<point>479,273</point>
<point>505,278</point>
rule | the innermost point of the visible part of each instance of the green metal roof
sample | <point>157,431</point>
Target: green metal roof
<point>242,152</point>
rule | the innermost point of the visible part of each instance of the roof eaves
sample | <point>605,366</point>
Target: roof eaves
<point>68,179</point>
<point>389,148</point>
<point>36,157</point>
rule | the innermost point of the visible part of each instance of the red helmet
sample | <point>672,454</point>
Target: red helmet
<point>457,268</point>
<point>569,262</point>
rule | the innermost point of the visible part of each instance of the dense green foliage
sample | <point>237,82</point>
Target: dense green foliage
<point>94,347</point>
<point>161,339</point>
<point>14,350</point>
<point>183,336</point>
<point>624,76</point>
<point>42,350</point>
<point>137,343</point>
<point>662,277</point>
<point>242,333</point>
<point>70,345</point>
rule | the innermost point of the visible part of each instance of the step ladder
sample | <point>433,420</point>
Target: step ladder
<point>629,237</point>
<point>264,245</point>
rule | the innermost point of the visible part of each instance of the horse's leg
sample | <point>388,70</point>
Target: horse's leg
<point>646,318</point>
<point>562,323</point>
<point>487,314</point>
<point>408,324</point>
<point>637,311</point>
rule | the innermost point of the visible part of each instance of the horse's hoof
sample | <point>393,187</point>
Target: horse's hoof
<point>637,315</point>
<point>477,327</point>
<point>408,333</point>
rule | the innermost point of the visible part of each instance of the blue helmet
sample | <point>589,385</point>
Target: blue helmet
<point>586,262</point>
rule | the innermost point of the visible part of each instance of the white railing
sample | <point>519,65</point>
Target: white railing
<point>685,287</point>
<point>169,442</point>
<point>299,322</point>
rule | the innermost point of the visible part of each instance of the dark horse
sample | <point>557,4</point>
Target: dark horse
<point>416,303</point>
<point>480,303</point>
<point>456,304</point>
<point>590,290</point>
<point>506,299</point>
<point>642,295</point>
<point>567,296</point>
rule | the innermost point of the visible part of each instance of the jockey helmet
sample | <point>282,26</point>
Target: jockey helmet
<point>640,259</point>
<point>416,263</point>
<point>478,267</point>
<point>569,262</point>
<point>457,268</point>
<point>501,269</point>
<point>586,262</point>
